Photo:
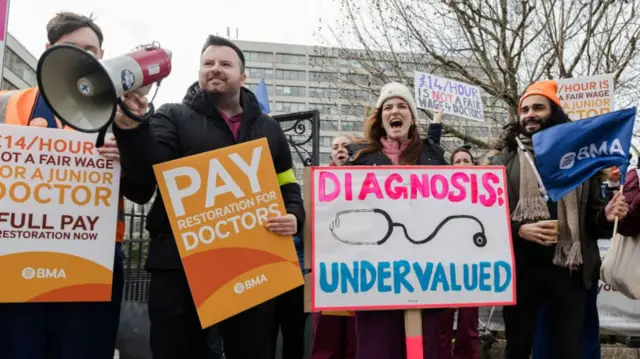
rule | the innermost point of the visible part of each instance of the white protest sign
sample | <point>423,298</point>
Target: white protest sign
<point>410,237</point>
<point>585,97</point>
<point>58,216</point>
<point>452,97</point>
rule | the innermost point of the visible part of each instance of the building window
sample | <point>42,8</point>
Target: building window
<point>291,75</point>
<point>385,65</point>
<point>293,91</point>
<point>352,126</point>
<point>324,109</point>
<point>325,158</point>
<point>6,85</point>
<point>329,125</point>
<point>259,73</point>
<point>321,76</point>
<point>322,93</point>
<point>322,61</point>
<point>288,107</point>
<point>352,110</point>
<point>352,94</point>
<point>350,63</point>
<point>19,67</point>
<point>291,59</point>
<point>253,87</point>
<point>258,56</point>
<point>377,81</point>
<point>407,66</point>
<point>356,79</point>
<point>325,142</point>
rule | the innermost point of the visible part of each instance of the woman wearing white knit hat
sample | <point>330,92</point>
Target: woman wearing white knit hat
<point>392,138</point>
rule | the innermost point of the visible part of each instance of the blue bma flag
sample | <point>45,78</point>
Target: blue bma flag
<point>263,97</point>
<point>567,155</point>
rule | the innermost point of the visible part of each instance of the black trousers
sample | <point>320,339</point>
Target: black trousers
<point>176,332</point>
<point>566,296</point>
<point>291,319</point>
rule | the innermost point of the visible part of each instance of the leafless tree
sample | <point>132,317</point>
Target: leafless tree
<point>500,46</point>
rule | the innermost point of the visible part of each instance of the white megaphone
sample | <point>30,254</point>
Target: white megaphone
<point>84,92</point>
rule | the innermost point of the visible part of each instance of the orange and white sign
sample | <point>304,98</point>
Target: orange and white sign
<point>218,203</point>
<point>585,97</point>
<point>58,213</point>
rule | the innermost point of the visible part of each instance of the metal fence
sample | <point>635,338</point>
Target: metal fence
<point>303,133</point>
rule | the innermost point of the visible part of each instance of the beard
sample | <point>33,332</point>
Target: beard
<point>216,83</point>
<point>544,124</point>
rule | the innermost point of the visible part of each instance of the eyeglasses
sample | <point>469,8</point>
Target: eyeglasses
<point>479,238</point>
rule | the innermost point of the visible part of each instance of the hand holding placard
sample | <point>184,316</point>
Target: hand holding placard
<point>219,204</point>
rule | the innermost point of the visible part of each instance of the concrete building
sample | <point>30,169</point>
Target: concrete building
<point>19,66</point>
<point>303,78</point>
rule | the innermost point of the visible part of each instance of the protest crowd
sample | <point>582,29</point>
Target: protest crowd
<point>556,259</point>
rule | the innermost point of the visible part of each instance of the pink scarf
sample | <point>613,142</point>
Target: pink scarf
<point>392,149</point>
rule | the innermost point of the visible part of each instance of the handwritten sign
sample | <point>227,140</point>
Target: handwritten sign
<point>452,97</point>
<point>218,203</point>
<point>402,238</point>
<point>58,213</point>
<point>585,97</point>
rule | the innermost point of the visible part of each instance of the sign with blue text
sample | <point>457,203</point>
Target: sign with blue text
<point>455,98</point>
<point>410,237</point>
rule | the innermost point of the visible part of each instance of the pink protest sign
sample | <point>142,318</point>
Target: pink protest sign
<point>4,12</point>
<point>410,237</point>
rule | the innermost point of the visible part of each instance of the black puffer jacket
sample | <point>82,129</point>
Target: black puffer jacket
<point>194,126</point>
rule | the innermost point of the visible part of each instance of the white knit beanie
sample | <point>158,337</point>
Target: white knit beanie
<point>395,89</point>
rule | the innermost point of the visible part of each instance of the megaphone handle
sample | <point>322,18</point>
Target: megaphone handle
<point>135,117</point>
<point>101,135</point>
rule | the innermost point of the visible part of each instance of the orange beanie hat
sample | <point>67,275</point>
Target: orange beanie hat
<point>546,88</point>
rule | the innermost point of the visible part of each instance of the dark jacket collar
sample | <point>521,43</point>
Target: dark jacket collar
<point>200,102</point>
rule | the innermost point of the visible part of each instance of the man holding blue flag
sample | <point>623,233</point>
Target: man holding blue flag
<point>555,242</point>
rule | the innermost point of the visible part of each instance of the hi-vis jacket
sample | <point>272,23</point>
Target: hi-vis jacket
<point>27,108</point>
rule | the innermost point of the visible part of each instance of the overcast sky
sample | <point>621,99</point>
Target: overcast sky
<point>181,26</point>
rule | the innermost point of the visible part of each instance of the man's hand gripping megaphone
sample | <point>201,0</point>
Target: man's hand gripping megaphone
<point>137,104</point>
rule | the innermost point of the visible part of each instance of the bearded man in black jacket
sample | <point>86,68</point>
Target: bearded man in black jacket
<point>216,112</point>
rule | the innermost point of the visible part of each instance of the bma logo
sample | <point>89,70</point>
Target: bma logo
<point>240,287</point>
<point>591,151</point>
<point>43,273</point>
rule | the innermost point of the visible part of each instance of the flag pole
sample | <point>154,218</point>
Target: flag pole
<point>413,333</point>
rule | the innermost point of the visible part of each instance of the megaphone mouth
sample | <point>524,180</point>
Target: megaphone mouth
<point>77,87</point>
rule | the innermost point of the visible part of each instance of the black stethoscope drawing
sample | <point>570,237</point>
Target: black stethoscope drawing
<point>479,238</point>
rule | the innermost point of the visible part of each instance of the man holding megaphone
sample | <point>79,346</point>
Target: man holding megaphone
<point>65,330</point>
<point>216,112</point>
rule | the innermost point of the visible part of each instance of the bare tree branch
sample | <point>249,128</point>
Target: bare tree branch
<point>501,46</point>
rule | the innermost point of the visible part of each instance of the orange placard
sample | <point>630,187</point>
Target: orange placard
<point>218,203</point>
